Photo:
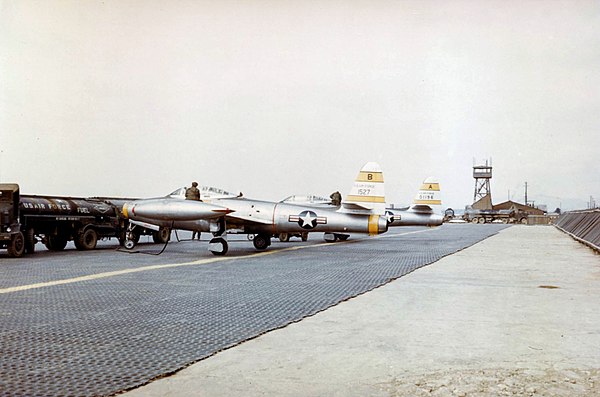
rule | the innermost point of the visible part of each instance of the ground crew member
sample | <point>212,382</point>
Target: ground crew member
<point>193,193</point>
<point>336,198</point>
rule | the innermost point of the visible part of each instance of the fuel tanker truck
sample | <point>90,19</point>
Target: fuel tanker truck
<point>54,220</point>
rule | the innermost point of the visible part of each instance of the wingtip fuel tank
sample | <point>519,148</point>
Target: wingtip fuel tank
<point>169,209</point>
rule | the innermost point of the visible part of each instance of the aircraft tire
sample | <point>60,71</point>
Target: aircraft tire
<point>261,241</point>
<point>284,237</point>
<point>341,237</point>
<point>129,244</point>
<point>224,246</point>
<point>304,236</point>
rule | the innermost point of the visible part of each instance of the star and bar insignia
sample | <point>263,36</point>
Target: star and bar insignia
<point>308,219</point>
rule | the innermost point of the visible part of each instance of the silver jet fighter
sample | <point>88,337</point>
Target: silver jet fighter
<point>423,211</point>
<point>363,211</point>
<point>165,213</point>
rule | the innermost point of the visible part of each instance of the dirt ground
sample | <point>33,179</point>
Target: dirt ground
<point>499,382</point>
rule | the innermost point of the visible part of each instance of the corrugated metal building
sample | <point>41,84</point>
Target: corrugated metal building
<point>511,205</point>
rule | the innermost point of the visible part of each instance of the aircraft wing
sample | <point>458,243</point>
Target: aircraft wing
<point>421,209</point>
<point>249,218</point>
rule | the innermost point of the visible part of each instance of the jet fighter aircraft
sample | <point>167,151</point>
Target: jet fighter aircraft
<point>362,212</point>
<point>423,211</point>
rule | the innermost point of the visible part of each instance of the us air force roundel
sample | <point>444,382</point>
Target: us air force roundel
<point>308,219</point>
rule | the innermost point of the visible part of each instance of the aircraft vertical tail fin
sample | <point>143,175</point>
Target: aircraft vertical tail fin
<point>429,196</point>
<point>368,192</point>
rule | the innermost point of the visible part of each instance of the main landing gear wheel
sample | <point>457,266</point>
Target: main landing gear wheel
<point>333,237</point>
<point>218,246</point>
<point>284,237</point>
<point>341,237</point>
<point>304,236</point>
<point>261,241</point>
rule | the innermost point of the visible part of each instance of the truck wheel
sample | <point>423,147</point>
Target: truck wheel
<point>504,220</point>
<point>524,221</point>
<point>30,241</point>
<point>56,243</point>
<point>261,241</point>
<point>475,220</point>
<point>16,247</point>
<point>86,240</point>
<point>284,237</point>
<point>304,236</point>
<point>161,236</point>
<point>481,220</point>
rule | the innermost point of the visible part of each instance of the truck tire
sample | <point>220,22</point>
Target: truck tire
<point>56,242</point>
<point>474,220</point>
<point>16,248</point>
<point>30,241</point>
<point>161,236</point>
<point>481,220</point>
<point>86,240</point>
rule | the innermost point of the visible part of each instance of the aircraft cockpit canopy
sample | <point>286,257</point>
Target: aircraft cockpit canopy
<point>305,199</point>
<point>206,192</point>
<point>178,193</point>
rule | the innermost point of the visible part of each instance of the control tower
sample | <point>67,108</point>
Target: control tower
<point>482,198</point>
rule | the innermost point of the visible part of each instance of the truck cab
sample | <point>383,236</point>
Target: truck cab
<point>11,236</point>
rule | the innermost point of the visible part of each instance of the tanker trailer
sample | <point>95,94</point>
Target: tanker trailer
<point>57,220</point>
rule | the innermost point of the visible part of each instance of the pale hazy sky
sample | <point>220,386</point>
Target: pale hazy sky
<point>273,98</point>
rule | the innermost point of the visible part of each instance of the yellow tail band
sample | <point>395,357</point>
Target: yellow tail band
<point>373,224</point>
<point>429,202</point>
<point>431,186</point>
<point>365,176</point>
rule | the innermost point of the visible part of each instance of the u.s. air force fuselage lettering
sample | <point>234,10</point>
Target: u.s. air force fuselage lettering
<point>308,219</point>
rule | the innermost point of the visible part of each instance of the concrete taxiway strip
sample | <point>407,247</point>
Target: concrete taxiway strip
<point>514,314</point>
<point>174,265</point>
